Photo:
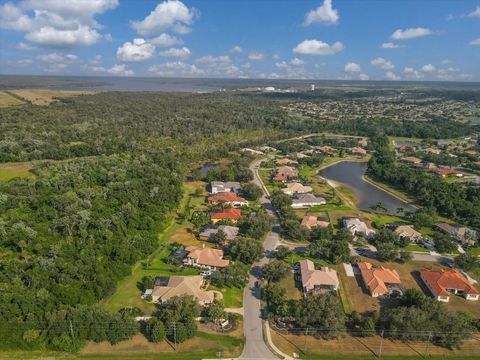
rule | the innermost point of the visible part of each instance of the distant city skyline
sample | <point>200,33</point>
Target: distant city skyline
<point>330,39</point>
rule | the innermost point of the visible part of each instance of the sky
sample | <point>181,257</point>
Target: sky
<point>298,39</point>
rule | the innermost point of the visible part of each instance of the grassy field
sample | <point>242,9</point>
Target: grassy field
<point>351,348</point>
<point>203,345</point>
<point>10,171</point>
<point>232,296</point>
<point>46,97</point>
<point>7,100</point>
<point>390,190</point>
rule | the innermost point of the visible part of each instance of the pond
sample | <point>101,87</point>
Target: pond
<point>207,167</point>
<point>350,174</point>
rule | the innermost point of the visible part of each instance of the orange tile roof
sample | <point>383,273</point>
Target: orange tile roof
<point>227,197</point>
<point>207,256</point>
<point>443,279</point>
<point>376,278</point>
<point>227,214</point>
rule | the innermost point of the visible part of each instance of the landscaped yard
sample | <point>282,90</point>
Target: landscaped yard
<point>232,296</point>
<point>292,290</point>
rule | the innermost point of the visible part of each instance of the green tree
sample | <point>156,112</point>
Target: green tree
<point>275,270</point>
<point>251,191</point>
<point>246,250</point>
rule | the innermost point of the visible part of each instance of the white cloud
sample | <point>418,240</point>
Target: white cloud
<point>25,62</point>
<point>273,76</point>
<point>236,49</point>
<point>96,60</point>
<point>410,33</point>
<point>120,70</point>
<point>475,42</point>
<point>256,56</point>
<point>382,63</point>
<point>475,13</point>
<point>413,74</point>
<point>297,62</point>
<point>428,68</point>
<point>465,77</point>
<point>363,77</point>
<point>281,65</point>
<point>391,76</point>
<point>390,45</point>
<point>56,58</point>
<point>318,48</point>
<point>176,68</point>
<point>352,67</point>
<point>276,57</point>
<point>324,14</point>
<point>445,61</point>
<point>63,39</point>
<point>247,65</point>
<point>168,14</point>
<point>183,52</point>
<point>55,23</point>
<point>136,51</point>
<point>165,40</point>
<point>24,47</point>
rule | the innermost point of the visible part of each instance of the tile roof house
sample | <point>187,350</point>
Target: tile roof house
<point>358,227</point>
<point>232,215</point>
<point>287,162</point>
<point>316,280</point>
<point>296,188</point>
<point>221,187</point>
<point>227,198</point>
<point>408,231</point>
<point>307,200</point>
<point>167,288</point>
<point>285,173</point>
<point>379,280</point>
<point>411,160</point>
<point>230,232</point>
<point>326,149</point>
<point>461,233</point>
<point>444,282</point>
<point>310,222</point>
<point>205,258</point>
<point>358,151</point>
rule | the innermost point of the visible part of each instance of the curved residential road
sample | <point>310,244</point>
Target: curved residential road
<point>255,347</point>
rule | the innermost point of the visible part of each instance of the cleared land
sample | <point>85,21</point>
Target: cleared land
<point>351,347</point>
<point>7,100</point>
<point>10,171</point>
<point>46,97</point>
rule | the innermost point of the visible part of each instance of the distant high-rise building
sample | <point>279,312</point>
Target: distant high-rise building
<point>312,87</point>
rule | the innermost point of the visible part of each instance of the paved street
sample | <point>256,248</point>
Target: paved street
<point>255,347</point>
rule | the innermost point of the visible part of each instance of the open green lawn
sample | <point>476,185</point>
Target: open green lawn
<point>232,296</point>
<point>289,284</point>
<point>416,248</point>
<point>475,251</point>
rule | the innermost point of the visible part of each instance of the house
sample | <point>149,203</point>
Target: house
<point>166,288</point>
<point>379,281</point>
<point>358,227</point>
<point>443,282</point>
<point>461,233</point>
<point>326,149</point>
<point>285,173</point>
<point>404,231</point>
<point>312,280</point>
<point>205,258</point>
<point>251,151</point>
<point>221,187</point>
<point>307,200</point>
<point>310,222</point>
<point>358,151</point>
<point>230,198</point>
<point>230,232</point>
<point>286,162</point>
<point>412,160</point>
<point>296,188</point>
<point>446,171</point>
<point>363,142</point>
<point>232,215</point>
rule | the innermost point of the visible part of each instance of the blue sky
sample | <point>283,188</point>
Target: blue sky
<point>327,39</point>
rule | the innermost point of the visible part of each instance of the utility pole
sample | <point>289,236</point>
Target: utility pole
<point>428,343</point>
<point>381,344</point>
<point>175,336</point>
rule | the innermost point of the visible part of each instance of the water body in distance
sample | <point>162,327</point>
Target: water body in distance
<point>350,174</point>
